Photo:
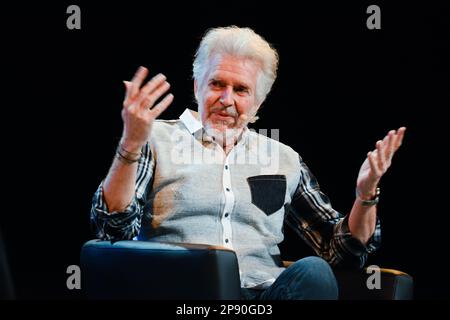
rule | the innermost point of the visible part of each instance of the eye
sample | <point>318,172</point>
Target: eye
<point>216,83</point>
<point>241,89</point>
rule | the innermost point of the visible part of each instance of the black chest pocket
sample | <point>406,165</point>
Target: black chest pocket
<point>268,192</point>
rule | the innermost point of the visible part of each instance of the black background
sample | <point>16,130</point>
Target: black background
<point>340,88</point>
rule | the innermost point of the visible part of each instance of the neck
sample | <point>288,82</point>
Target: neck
<point>228,141</point>
<point>229,145</point>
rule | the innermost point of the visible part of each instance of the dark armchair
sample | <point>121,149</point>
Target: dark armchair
<point>151,270</point>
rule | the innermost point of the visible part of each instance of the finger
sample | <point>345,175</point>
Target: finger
<point>127,90</point>
<point>385,145</point>
<point>380,155</point>
<point>373,164</point>
<point>137,80</point>
<point>390,146</point>
<point>150,86</point>
<point>151,98</point>
<point>162,105</point>
<point>399,137</point>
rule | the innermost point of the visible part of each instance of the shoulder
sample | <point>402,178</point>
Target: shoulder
<point>166,127</point>
<point>166,122</point>
<point>263,138</point>
<point>262,144</point>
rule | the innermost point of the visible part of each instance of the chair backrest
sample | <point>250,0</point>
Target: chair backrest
<point>155,270</point>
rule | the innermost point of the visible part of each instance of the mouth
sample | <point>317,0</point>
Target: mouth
<point>222,116</point>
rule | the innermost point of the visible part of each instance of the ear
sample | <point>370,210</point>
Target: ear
<point>195,89</point>
<point>255,110</point>
<point>253,116</point>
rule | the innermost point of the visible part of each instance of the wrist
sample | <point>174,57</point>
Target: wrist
<point>126,156</point>
<point>368,200</point>
<point>366,190</point>
<point>130,146</point>
<point>366,195</point>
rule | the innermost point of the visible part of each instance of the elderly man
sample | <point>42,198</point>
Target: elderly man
<point>150,194</point>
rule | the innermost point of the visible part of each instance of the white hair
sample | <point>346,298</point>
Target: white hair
<point>238,42</point>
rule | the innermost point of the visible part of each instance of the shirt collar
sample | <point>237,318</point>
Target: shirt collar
<point>190,120</point>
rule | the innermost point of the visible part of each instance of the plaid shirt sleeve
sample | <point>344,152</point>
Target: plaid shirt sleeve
<point>124,225</point>
<point>323,228</point>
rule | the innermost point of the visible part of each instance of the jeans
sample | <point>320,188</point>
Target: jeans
<point>310,278</point>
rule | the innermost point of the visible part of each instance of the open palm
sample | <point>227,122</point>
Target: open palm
<point>378,162</point>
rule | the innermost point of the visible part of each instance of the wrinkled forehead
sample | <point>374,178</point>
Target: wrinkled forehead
<point>232,67</point>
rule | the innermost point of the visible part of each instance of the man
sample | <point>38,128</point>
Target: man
<point>217,194</point>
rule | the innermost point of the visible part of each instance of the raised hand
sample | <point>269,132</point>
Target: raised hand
<point>378,162</point>
<point>139,109</point>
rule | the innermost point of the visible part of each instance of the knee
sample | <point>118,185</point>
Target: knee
<point>316,274</point>
<point>315,267</point>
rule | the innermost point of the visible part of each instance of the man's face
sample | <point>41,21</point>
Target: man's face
<point>227,92</point>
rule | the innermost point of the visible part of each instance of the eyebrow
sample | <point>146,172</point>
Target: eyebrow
<point>239,85</point>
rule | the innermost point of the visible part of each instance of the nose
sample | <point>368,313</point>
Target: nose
<point>226,97</point>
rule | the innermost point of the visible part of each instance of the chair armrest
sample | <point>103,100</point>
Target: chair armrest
<point>394,285</point>
<point>157,270</point>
